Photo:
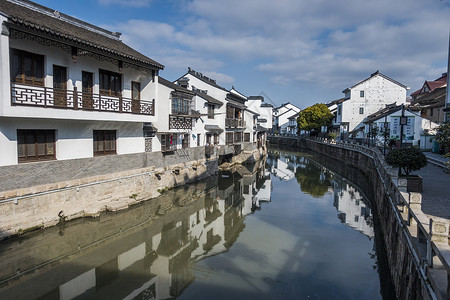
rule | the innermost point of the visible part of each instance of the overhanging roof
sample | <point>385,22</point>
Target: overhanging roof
<point>213,128</point>
<point>235,104</point>
<point>209,99</point>
<point>43,21</point>
<point>261,128</point>
<point>174,86</point>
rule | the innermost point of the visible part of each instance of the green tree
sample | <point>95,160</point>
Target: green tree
<point>443,134</point>
<point>443,138</point>
<point>407,159</point>
<point>314,117</point>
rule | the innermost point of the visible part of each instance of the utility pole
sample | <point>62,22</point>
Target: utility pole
<point>385,133</point>
<point>447,96</point>
<point>403,121</point>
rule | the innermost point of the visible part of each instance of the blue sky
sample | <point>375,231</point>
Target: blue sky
<point>302,51</point>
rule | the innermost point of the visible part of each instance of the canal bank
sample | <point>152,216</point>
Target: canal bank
<point>417,246</point>
<point>40,195</point>
<point>211,242</point>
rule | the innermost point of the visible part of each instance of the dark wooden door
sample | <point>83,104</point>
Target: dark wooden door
<point>87,90</point>
<point>60,86</point>
<point>135,97</point>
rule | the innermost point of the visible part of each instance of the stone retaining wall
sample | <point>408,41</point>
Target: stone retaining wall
<point>39,195</point>
<point>69,195</point>
<point>418,268</point>
<point>404,272</point>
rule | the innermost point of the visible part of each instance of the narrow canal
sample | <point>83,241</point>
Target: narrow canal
<point>290,227</point>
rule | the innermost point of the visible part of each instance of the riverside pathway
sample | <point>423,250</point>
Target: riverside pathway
<point>436,187</point>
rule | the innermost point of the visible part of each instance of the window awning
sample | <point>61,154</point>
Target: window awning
<point>235,104</point>
<point>150,127</point>
<point>260,128</point>
<point>213,128</point>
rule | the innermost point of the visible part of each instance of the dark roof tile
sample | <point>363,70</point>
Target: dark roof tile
<point>47,22</point>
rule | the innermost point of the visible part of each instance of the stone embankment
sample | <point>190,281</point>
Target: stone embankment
<point>43,194</point>
<point>417,246</point>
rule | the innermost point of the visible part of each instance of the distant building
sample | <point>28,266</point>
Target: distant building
<point>367,97</point>
<point>432,105</point>
<point>430,98</point>
<point>281,116</point>
<point>428,87</point>
<point>417,131</point>
<point>292,127</point>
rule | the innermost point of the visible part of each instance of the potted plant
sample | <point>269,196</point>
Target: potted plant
<point>408,160</point>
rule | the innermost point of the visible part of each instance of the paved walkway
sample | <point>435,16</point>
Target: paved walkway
<point>436,187</point>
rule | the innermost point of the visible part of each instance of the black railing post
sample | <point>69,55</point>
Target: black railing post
<point>75,98</point>
<point>120,103</point>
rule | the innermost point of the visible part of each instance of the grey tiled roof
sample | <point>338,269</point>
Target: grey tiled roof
<point>208,98</point>
<point>174,86</point>
<point>204,78</point>
<point>40,20</point>
<point>379,74</point>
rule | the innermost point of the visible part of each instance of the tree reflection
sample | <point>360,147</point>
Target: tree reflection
<point>313,179</point>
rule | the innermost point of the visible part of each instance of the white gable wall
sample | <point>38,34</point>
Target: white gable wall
<point>378,92</point>
<point>216,93</point>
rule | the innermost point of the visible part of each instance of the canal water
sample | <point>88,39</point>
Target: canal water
<point>290,227</point>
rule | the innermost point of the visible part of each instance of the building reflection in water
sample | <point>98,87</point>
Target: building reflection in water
<point>315,179</point>
<point>149,251</point>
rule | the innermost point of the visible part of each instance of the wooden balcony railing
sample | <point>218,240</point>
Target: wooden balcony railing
<point>75,100</point>
<point>180,122</point>
<point>234,123</point>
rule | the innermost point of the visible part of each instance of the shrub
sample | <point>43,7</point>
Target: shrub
<point>332,135</point>
<point>407,159</point>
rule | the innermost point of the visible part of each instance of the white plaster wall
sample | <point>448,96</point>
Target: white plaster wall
<point>248,117</point>
<point>378,92</point>
<point>164,108</point>
<point>74,139</point>
<point>283,120</point>
<point>199,125</point>
<point>5,93</point>
<point>56,56</point>
<point>264,112</point>
<point>420,124</point>
<point>216,93</point>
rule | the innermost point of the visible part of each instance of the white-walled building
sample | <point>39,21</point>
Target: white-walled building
<point>207,129</point>
<point>176,117</point>
<point>292,126</point>
<point>281,116</point>
<point>230,116</point>
<point>265,110</point>
<point>208,87</point>
<point>416,131</point>
<point>69,89</point>
<point>367,97</point>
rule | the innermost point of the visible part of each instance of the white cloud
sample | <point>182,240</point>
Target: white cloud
<point>222,79</point>
<point>316,43</point>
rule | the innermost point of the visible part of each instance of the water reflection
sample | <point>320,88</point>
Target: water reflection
<point>315,179</point>
<point>198,241</point>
